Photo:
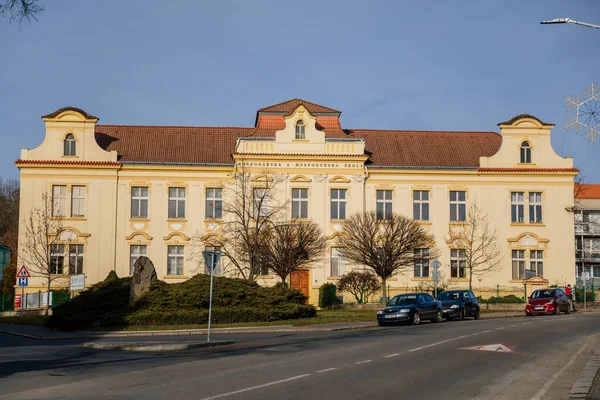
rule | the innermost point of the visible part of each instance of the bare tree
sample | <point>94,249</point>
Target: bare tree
<point>289,246</point>
<point>361,284</point>
<point>428,286</point>
<point>249,207</point>
<point>19,10</point>
<point>479,241</point>
<point>387,246</point>
<point>43,228</point>
<point>9,229</point>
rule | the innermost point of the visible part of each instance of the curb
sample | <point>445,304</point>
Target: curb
<point>582,387</point>
<point>154,346</point>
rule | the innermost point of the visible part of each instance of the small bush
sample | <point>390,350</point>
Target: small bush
<point>327,295</point>
<point>511,298</point>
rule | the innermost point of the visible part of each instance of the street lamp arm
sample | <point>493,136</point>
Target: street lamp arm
<point>568,21</point>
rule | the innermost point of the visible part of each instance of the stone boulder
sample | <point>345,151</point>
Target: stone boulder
<point>144,275</point>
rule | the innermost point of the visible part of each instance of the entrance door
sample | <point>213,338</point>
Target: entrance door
<point>299,280</point>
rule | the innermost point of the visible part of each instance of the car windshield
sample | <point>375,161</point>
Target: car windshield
<point>403,300</point>
<point>542,293</point>
<point>449,296</point>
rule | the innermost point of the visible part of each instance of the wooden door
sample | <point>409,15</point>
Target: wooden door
<point>299,280</point>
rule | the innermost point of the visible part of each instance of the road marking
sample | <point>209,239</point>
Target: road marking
<point>362,362</point>
<point>568,318</point>
<point>327,370</point>
<point>512,326</point>
<point>500,327</point>
<point>256,387</point>
<point>438,343</point>
<point>542,392</point>
<point>485,332</point>
<point>496,348</point>
<point>476,333</point>
<point>392,355</point>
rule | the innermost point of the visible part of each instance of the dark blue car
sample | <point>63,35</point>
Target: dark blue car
<point>459,304</point>
<point>412,308</point>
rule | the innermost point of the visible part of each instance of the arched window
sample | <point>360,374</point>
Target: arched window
<point>525,153</point>
<point>300,130</point>
<point>70,145</point>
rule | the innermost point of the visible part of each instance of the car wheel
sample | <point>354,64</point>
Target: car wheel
<point>556,309</point>
<point>477,314</point>
<point>380,323</point>
<point>462,315</point>
<point>416,318</point>
<point>568,309</point>
<point>438,317</point>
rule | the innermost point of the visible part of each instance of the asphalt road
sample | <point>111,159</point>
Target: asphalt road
<point>543,357</point>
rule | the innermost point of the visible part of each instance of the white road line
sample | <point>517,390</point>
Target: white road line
<point>542,392</point>
<point>500,327</point>
<point>568,318</point>
<point>328,369</point>
<point>475,334</point>
<point>392,355</point>
<point>362,362</point>
<point>442,342</point>
<point>512,326</point>
<point>256,387</point>
<point>484,332</point>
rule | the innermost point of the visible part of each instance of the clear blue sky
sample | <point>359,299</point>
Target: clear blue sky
<point>428,65</point>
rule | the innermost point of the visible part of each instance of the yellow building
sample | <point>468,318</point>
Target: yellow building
<point>126,191</point>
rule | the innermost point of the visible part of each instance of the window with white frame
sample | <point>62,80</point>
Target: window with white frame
<point>213,260</point>
<point>59,200</point>
<point>421,205</point>
<point>517,207</point>
<point>300,203</point>
<point>176,202</point>
<point>336,262</point>
<point>535,207</point>
<point>75,259</point>
<point>536,262</point>
<point>518,264</point>
<point>338,204</point>
<point>458,263</point>
<point>69,145</point>
<point>421,267</point>
<point>77,201</point>
<point>261,202</point>
<point>135,252</point>
<point>384,204</point>
<point>57,258</point>
<point>174,260</point>
<point>214,203</point>
<point>525,153</point>
<point>458,206</point>
<point>139,202</point>
<point>300,133</point>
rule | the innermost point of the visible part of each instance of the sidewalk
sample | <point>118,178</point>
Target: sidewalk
<point>35,332</point>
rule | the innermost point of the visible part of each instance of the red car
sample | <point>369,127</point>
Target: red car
<point>547,301</point>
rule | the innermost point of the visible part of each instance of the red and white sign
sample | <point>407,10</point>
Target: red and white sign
<point>23,273</point>
<point>495,348</point>
<point>18,300</point>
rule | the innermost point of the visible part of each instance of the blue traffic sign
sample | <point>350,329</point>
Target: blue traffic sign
<point>23,281</point>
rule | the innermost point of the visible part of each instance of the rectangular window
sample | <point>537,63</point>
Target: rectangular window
<point>338,204</point>
<point>384,204</point>
<point>176,202</point>
<point>518,264</point>
<point>536,262</point>
<point>421,205</point>
<point>77,201</point>
<point>59,200</point>
<point>214,203</point>
<point>336,262</point>
<point>299,203</point>
<point>517,207</point>
<point>174,260</point>
<point>535,207</point>
<point>213,261</point>
<point>421,263</point>
<point>458,263</point>
<point>75,259</point>
<point>134,253</point>
<point>139,202</point>
<point>261,202</point>
<point>57,258</point>
<point>458,206</point>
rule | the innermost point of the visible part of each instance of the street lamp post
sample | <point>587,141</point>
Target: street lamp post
<point>211,258</point>
<point>569,21</point>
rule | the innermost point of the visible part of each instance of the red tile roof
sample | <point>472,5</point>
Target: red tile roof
<point>518,117</point>
<point>291,105</point>
<point>528,170</point>
<point>60,110</point>
<point>588,191</point>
